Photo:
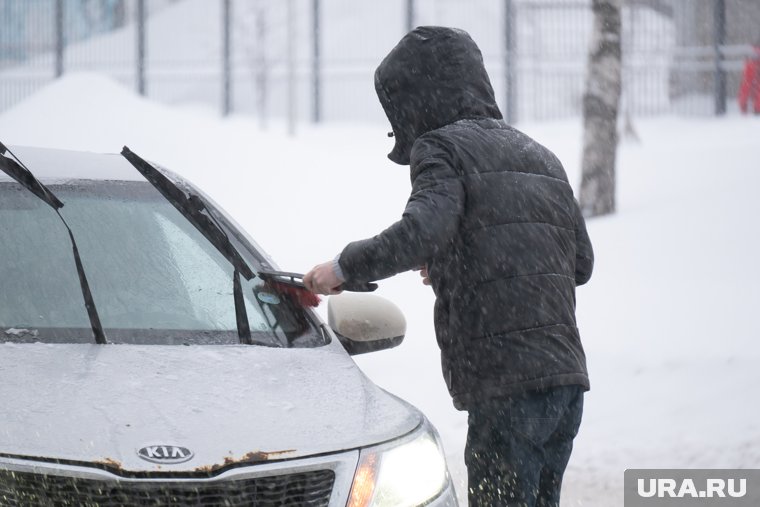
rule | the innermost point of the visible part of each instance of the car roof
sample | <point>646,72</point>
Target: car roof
<point>52,165</point>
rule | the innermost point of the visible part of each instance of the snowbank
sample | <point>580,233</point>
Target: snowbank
<point>667,320</point>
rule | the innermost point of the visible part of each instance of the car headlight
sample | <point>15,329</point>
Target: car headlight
<point>404,475</point>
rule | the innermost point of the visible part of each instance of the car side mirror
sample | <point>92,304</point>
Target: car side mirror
<point>365,322</point>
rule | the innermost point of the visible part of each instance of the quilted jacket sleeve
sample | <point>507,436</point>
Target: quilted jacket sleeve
<point>584,253</point>
<point>430,219</point>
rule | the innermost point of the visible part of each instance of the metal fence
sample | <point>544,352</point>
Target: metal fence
<point>313,60</point>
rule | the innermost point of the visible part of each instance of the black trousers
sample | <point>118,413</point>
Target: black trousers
<point>518,447</point>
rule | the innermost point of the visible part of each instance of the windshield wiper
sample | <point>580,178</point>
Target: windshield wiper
<point>191,207</point>
<point>19,172</point>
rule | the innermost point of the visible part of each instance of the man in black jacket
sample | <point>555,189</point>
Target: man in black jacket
<point>493,221</point>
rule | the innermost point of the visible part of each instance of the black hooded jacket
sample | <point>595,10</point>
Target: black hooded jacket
<point>492,216</point>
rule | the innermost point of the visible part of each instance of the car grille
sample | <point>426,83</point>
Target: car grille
<point>301,489</point>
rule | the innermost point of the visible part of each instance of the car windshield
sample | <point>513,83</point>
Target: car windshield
<point>155,279</point>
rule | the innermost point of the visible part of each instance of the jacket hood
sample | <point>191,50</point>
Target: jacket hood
<point>434,76</point>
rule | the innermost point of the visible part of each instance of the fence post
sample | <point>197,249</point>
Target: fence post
<point>141,47</point>
<point>291,13</point>
<point>261,64</point>
<point>510,62</point>
<point>719,17</point>
<point>226,52</point>
<point>409,15</point>
<point>59,38</point>
<point>316,64</point>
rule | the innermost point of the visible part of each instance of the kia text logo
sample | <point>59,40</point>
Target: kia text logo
<point>165,454</point>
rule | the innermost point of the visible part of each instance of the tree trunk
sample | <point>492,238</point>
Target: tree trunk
<point>600,111</point>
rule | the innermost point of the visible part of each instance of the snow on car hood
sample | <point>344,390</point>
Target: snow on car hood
<point>225,404</point>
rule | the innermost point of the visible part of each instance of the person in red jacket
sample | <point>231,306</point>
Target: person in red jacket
<point>750,87</point>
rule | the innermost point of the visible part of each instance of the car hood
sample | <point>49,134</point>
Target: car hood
<point>226,404</point>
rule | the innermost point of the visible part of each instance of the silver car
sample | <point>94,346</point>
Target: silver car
<point>140,365</point>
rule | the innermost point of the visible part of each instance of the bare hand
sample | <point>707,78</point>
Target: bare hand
<point>322,280</point>
<point>424,275</point>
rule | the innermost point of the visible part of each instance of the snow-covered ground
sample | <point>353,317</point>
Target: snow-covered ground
<point>668,320</point>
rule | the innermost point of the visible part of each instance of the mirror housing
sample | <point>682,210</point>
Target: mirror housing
<point>365,322</point>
